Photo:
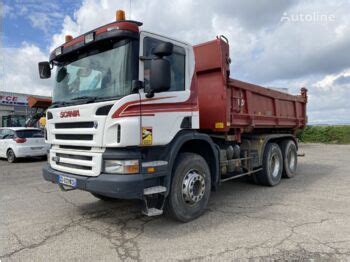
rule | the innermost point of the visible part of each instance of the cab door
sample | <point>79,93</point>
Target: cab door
<point>163,114</point>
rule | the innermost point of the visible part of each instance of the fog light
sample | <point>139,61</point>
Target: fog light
<point>121,166</point>
<point>151,170</point>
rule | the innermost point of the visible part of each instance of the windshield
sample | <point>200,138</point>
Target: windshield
<point>100,73</point>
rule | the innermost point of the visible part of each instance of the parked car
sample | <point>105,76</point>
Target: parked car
<point>17,142</point>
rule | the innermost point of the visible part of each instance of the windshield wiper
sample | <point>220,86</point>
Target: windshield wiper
<point>87,99</point>
<point>106,98</point>
<point>58,103</point>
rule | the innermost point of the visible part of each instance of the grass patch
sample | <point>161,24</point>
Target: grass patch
<point>325,134</point>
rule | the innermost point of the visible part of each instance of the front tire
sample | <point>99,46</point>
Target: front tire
<point>190,188</point>
<point>11,157</point>
<point>290,158</point>
<point>272,166</point>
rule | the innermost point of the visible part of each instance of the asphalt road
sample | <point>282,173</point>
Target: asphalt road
<point>307,217</point>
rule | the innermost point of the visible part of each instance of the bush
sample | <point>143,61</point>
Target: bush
<point>325,134</point>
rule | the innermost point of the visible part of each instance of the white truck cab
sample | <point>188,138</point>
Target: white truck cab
<point>107,130</point>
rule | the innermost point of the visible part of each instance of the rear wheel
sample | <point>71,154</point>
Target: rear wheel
<point>272,166</point>
<point>190,188</point>
<point>290,158</point>
<point>11,157</point>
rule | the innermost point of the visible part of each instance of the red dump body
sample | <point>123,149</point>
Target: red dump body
<point>232,106</point>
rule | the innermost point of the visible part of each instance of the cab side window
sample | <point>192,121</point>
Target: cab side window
<point>177,64</point>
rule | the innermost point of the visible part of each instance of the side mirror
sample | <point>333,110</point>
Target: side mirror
<point>44,70</point>
<point>136,85</point>
<point>163,49</point>
<point>159,76</point>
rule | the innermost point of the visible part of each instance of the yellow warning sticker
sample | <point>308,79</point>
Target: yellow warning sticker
<point>147,135</point>
<point>219,125</point>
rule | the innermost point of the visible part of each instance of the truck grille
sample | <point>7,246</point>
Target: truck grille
<point>80,157</point>
<point>75,125</point>
<point>75,166</point>
<point>80,133</point>
<point>74,137</point>
<point>84,163</point>
<point>87,148</point>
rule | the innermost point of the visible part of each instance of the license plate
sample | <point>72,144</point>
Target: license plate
<point>36,148</point>
<point>68,181</point>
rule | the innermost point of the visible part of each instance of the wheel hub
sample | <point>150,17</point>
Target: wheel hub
<point>291,160</point>
<point>10,155</point>
<point>193,187</point>
<point>275,165</point>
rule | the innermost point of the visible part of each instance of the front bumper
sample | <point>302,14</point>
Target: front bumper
<point>111,185</point>
<point>28,152</point>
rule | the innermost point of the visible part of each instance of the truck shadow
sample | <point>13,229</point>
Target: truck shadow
<point>233,199</point>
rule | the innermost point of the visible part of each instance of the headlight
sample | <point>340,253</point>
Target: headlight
<point>121,166</point>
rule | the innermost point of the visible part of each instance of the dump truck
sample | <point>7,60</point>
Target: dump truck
<point>138,115</point>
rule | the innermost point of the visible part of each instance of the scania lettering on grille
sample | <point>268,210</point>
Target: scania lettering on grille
<point>70,113</point>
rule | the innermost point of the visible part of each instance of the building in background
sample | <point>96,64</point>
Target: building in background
<point>14,109</point>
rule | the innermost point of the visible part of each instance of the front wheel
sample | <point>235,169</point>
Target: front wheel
<point>190,188</point>
<point>11,157</point>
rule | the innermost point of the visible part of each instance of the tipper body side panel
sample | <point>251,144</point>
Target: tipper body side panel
<point>226,104</point>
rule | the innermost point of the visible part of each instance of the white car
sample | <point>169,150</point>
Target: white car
<point>16,142</point>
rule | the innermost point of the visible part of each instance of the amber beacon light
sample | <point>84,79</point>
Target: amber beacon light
<point>119,15</point>
<point>68,38</point>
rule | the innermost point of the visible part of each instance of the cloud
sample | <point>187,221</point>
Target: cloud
<point>40,21</point>
<point>41,14</point>
<point>332,93</point>
<point>300,49</point>
<point>264,49</point>
<point>5,10</point>
<point>20,71</point>
<point>328,96</point>
<point>342,80</point>
<point>254,15</point>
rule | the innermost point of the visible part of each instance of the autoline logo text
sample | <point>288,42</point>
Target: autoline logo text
<point>314,17</point>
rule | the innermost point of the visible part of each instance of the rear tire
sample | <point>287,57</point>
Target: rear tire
<point>190,188</point>
<point>290,158</point>
<point>272,166</point>
<point>103,198</point>
<point>11,157</point>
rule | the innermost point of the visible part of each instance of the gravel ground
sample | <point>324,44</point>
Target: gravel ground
<point>304,218</point>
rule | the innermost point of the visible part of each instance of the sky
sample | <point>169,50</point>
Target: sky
<point>274,43</point>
